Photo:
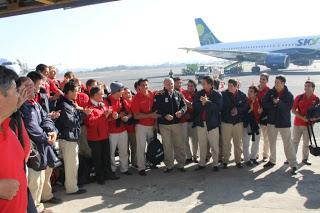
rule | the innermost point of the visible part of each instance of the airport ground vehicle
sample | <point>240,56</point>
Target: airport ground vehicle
<point>209,70</point>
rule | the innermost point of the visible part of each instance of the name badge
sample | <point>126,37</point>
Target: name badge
<point>166,100</point>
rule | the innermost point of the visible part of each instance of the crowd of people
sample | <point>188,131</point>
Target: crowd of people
<point>47,123</point>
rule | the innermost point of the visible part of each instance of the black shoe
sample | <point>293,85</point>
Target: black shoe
<point>254,161</point>
<point>195,160</point>
<point>249,163</point>
<point>142,173</point>
<point>54,200</point>
<point>215,169</point>
<point>200,168</point>
<point>168,170</point>
<point>220,161</point>
<point>294,170</point>
<point>153,167</point>
<point>207,160</point>
<point>100,182</point>
<point>264,159</point>
<point>305,161</point>
<point>182,169</point>
<point>269,165</point>
<point>286,162</point>
<point>112,176</point>
<point>225,165</point>
<point>239,165</point>
<point>127,173</point>
<point>188,161</point>
<point>79,192</point>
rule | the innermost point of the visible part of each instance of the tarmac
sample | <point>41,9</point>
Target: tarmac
<point>250,189</point>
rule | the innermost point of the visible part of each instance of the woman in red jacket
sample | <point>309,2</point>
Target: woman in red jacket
<point>98,135</point>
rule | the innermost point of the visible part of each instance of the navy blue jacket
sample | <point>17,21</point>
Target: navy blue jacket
<point>279,114</point>
<point>69,121</point>
<point>169,105</point>
<point>38,124</point>
<point>229,102</point>
<point>212,109</point>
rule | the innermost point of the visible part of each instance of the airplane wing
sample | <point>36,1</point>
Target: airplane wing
<point>231,54</point>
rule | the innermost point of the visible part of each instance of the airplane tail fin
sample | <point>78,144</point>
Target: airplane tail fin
<point>205,35</point>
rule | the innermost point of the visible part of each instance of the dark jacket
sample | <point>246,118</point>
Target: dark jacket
<point>38,125</point>
<point>44,100</point>
<point>212,109</point>
<point>169,105</point>
<point>229,102</point>
<point>69,121</point>
<point>279,114</point>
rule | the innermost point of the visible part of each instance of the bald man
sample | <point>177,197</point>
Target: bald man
<point>171,106</point>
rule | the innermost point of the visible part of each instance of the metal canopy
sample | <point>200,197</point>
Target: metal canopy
<point>19,7</point>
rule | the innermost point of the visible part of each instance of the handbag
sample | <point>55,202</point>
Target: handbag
<point>34,161</point>
<point>313,147</point>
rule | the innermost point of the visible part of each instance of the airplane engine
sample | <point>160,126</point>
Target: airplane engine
<point>277,61</point>
<point>303,62</point>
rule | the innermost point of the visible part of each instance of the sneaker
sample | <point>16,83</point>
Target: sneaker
<point>200,168</point>
<point>286,162</point>
<point>54,200</point>
<point>168,170</point>
<point>307,162</point>
<point>182,169</point>
<point>254,161</point>
<point>215,169</point>
<point>249,163</point>
<point>142,173</point>
<point>79,192</point>
<point>269,165</point>
<point>112,176</point>
<point>127,173</point>
<point>239,165</point>
<point>195,160</point>
<point>294,170</point>
<point>225,165</point>
<point>264,159</point>
<point>188,161</point>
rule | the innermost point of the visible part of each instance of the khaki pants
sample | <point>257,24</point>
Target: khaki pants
<point>132,144</point>
<point>69,151</point>
<point>266,146</point>
<point>84,149</point>
<point>213,138</point>
<point>299,131</point>
<point>40,186</point>
<point>173,145</point>
<point>144,135</point>
<point>287,144</point>
<point>119,140</point>
<point>252,154</point>
<point>234,132</point>
<point>189,132</point>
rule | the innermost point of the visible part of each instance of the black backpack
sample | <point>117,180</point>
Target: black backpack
<point>155,154</point>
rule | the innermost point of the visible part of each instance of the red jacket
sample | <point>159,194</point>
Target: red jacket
<point>97,123</point>
<point>12,167</point>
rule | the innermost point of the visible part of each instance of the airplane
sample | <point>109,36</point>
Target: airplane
<point>14,65</point>
<point>273,53</point>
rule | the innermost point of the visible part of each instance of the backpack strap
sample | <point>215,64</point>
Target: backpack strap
<point>16,126</point>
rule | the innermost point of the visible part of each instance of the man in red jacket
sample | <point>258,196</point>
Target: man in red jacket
<point>13,181</point>
<point>118,132</point>
<point>98,135</point>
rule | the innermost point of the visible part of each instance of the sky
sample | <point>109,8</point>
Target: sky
<point>147,32</point>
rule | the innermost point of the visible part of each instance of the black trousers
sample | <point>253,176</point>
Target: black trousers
<point>101,158</point>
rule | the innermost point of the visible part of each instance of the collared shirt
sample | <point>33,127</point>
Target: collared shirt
<point>12,167</point>
<point>143,104</point>
<point>302,105</point>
